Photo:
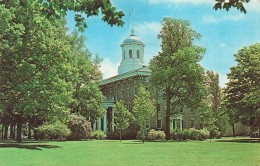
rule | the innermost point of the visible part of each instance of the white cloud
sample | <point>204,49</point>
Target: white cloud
<point>228,17</point>
<point>109,68</point>
<point>148,28</point>
<point>253,5</point>
<point>196,2</point>
<point>222,45</point>
<point>222,80</point>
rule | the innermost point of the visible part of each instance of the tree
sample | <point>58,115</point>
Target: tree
<point>34,65</point>
<point>176,70</point>
<point>243,88</point>
<point>122,116</point>
<point>82,8</point>
<point>86,97</point>
<point>212,110</point>
<point>144,108</point>
<point>239,4</point>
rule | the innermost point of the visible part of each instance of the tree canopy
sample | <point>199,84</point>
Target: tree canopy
<point>243,88</point>
<point>175,70</point>
<point>239,4</point>
<point>53,9</point>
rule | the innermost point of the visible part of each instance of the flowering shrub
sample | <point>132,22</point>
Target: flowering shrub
<point>152,135</point>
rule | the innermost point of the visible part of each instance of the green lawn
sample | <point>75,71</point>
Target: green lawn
<point>132,152</point>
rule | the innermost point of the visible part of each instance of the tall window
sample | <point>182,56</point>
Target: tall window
<point>158,108</point>
<point>124,54</point>
<point>192,123</point>
<point>138,53</point>
<point>130,53</point>
<point>159,124</point>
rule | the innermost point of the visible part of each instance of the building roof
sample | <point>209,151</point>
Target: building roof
<point>145,71</point>
<point>133,39</point>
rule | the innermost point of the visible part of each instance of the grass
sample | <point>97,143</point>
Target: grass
<point>226,151</point>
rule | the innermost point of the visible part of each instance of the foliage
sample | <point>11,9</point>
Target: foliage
<point>54,131</point>
<point>98,134</point>
<point>239,4</point>
<point>212,110</point>
<point>80,127</point>
<point>122,116</point>
<point>86,98</point>
<point>175,70</point>
<point>153,135</point>
<point>142,134</point>
<point>243,89</point>
<point>144,108</point>
<point>34,65</point>
<point>58,9</point>
<point>128,133</point>
<point>192,134</point>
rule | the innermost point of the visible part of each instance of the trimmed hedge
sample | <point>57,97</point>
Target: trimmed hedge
<point>192,134</point>
<point>153,135</point>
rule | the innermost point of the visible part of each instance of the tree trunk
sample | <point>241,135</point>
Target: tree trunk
<point>120,134</point>
<point>6,131</point>
<point>168,114</point>
<point>11,131</point>
<point>233,127</point>
<point>143,136</point>
<point>19,130</point>
<point>2,132</point>
<point>29,129</point>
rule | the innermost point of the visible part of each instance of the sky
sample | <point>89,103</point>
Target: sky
<point>223,32</point>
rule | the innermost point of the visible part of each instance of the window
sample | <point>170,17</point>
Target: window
<point>135,91</point>
<point>158,108</point>
<point>192,111</point>
<point>159,124</point>
<point>124,54</point>
<point>192,123</point>
<point>138,53</point>
<point>173,124</point>
<point>181,111</point>
<point>130,53</point>
<point>148,125</point>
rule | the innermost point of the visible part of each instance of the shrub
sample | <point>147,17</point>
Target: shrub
<point>98,134</point>
<point>192,134</point>
<point>152,135</point>
<point>80,128</point>
<point>140,134</point>
<point>54,131</point>
<point>129,133</point>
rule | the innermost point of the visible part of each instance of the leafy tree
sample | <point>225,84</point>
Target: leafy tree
<point>239,4</point>
<point>122,116</point>
<point>80,127</point>
<point>243,88</point>
<point>82,8</point>
<point>54,130</point>
<point>34,65</point>
<point>144,108</point>
<point>86,98</point>
<point>212,110</point>
<point>176,70</point>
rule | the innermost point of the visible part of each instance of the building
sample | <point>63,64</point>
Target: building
<point>132,72</point>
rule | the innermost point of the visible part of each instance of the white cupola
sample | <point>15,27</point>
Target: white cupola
<point>132,54</point>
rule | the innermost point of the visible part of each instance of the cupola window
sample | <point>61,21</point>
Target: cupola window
<point>138,53</point>
<point>130,53</point>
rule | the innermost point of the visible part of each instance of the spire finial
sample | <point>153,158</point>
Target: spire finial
<point>132,30</point>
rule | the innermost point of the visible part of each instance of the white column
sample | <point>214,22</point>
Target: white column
<point>99,124</point>
<point>113,120</point>
<point>105,123</point>
<point>94,126</point>
<point>181,123</point>
<point>175,121</point>
<point>171,124</point>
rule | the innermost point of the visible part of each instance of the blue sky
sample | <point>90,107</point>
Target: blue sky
<point>223,33</point>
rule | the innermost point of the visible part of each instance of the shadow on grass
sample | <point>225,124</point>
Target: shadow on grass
<point>249,140</point>
<point>26,146</point>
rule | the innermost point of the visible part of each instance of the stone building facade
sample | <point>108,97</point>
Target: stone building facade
<point>133,73</point>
